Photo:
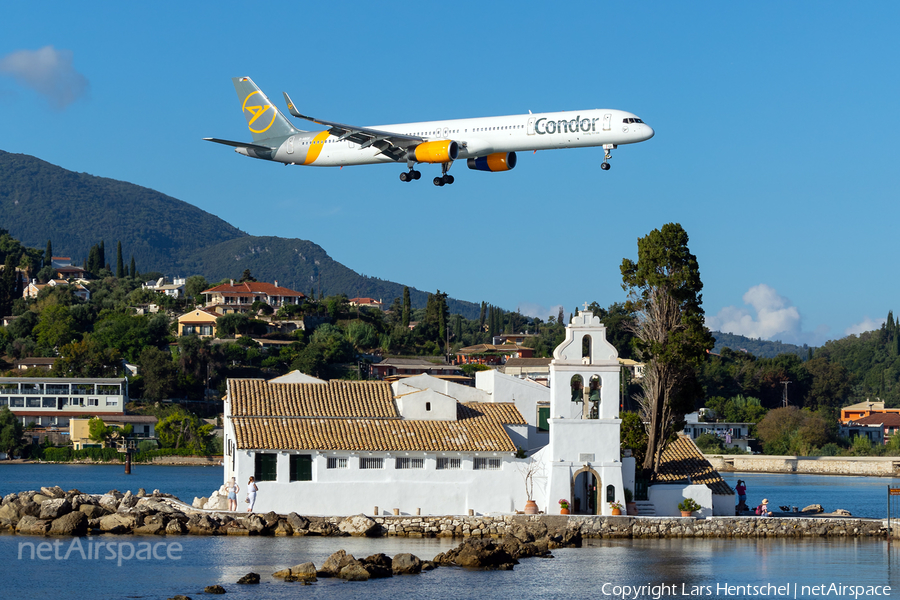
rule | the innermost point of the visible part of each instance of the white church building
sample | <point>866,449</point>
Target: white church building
<point>427,446</point>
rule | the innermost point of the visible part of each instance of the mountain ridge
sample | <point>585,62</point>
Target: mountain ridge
<point>78,210</point>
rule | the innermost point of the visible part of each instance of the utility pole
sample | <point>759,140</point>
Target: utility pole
<point>784,396</point>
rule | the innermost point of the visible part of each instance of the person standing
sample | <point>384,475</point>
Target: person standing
<point>251,493</point>
<point>741,489</point>
<point>232,488</point>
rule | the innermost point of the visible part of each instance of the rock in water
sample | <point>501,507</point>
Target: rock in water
<point>249,578</point>
<point>406,564</point>
<point>74,523</point>
<point>214,589</point>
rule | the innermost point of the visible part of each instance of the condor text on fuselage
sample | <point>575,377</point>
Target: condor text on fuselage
<point>486,144</point>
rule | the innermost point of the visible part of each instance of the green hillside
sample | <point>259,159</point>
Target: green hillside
<point>40,201</point>
<point>757,347</point>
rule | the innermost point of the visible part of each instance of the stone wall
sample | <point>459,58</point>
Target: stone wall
<point>634,527</point>
<point>821,465</point>
<point>187,460</point>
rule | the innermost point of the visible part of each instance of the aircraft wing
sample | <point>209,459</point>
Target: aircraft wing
<point>392,145</point>
<point>238,144</point>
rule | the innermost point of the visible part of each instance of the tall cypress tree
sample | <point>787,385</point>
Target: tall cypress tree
<point>407,307</point>
<point>48,255</point>
<point>133,267</point>
<point>120,264</point>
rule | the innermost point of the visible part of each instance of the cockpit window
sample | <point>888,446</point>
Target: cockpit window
<point>631,120</point>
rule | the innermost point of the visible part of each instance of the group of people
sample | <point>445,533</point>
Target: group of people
<point>232,488</point>
<point>762,510</point>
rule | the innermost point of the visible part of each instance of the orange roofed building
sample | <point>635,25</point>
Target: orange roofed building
<point>238,297</point>
<point>854,412</point>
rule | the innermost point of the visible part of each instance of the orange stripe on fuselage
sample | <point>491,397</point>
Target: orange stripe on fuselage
<point>315,148</point>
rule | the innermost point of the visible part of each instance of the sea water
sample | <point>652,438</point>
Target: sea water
<point>160,566</point>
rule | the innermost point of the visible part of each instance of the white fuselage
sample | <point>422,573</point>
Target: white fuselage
<point>477,137</point>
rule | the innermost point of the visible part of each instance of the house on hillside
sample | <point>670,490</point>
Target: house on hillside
<point>34,288</point>
<point>863,409</point>
<point>197,322</point>
<point>175,289</point>
<point>366,303</point>
<point>392,367</point>
<point>491,354</point>
<point>239,297</point>
<point>878,427</point>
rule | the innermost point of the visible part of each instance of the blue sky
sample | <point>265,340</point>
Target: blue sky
<point>775,147</point>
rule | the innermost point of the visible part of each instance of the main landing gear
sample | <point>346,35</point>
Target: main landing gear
<point>412,174</point>
<point>445,178</point>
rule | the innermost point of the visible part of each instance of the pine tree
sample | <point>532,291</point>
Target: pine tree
<point>120,264</point>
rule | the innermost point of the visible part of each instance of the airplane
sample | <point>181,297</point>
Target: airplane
<point>486,144</point>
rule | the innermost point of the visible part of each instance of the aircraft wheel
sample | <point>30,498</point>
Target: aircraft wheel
<point>416,174</point>
<point>449,179</point>
<point>404,176</point>
<point>604,166</point>
<point>439,181</point>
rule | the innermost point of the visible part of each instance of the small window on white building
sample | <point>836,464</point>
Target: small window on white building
<point>449,463</point>
<point>371,463</point>
<point>337,462</point>
<point>487,464</point>
<point>409,463</point>
<point>112,402</point>
<point>93,402</point>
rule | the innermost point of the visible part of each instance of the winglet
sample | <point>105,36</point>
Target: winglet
<point>291,109</point>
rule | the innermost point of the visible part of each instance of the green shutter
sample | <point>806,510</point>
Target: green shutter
<point>266,467</point>
<point>543,418</point>
<point>301,467</point>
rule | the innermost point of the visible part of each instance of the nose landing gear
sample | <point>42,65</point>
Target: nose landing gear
<point>607,156</point>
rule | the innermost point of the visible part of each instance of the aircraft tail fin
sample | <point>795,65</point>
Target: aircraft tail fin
<point>263,120</point>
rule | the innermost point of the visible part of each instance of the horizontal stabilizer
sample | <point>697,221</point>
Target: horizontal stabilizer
<point>240,144</point>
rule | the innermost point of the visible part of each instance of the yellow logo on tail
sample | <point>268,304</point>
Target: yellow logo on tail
<point>258,111</point>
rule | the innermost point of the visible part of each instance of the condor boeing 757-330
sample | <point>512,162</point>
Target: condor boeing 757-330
<point>487,143</point>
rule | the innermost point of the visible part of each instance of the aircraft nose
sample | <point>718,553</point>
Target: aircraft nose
<point>648,132</point>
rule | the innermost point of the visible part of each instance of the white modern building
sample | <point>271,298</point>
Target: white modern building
<point>53,401</point>
<point>430,446</point>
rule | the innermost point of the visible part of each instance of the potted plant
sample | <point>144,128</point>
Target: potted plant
<point>688,506</point>
<point>529,469</point>
<point>630,504</point>
<point>616,508</point>
<point>563,507</point>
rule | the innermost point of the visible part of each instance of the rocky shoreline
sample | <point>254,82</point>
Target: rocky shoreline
<point>54,511</point>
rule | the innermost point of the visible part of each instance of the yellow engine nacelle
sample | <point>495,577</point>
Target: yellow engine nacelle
<point>438,151</point>
<point>498,161</point>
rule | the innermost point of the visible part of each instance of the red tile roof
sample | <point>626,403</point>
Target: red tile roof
<point>253,287</point>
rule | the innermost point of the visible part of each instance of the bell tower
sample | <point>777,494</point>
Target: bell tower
<point>583,459</point>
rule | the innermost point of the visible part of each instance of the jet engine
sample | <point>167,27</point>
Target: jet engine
<point>438,151</point>
<point>499,161</point>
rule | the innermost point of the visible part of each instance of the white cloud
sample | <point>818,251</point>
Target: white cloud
<point>866,324</point>
<point>530,309</point>
<point>49,72</point>
<point>772,317</point>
